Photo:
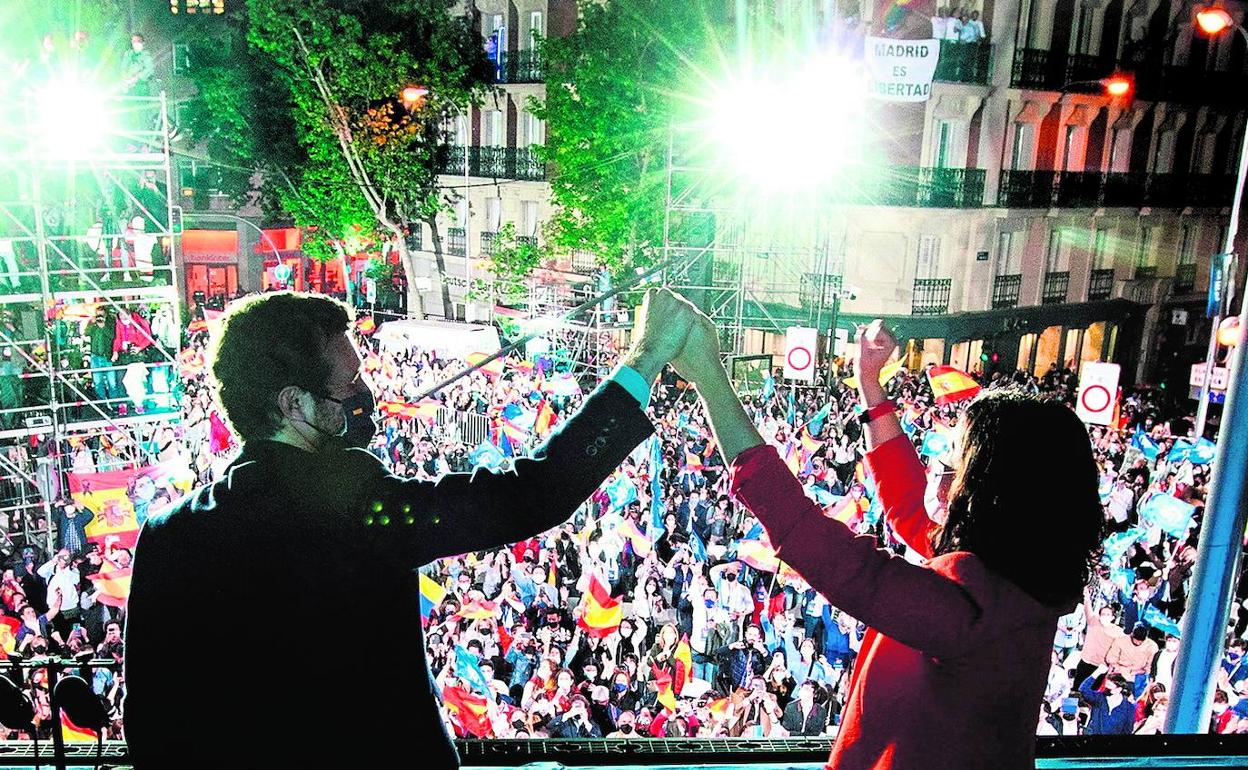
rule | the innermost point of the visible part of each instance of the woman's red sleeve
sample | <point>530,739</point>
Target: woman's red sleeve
<point>901,483</point>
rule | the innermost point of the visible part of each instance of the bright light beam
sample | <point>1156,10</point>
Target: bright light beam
<point>72,118</point>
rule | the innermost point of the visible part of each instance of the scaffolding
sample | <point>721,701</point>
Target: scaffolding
<point>584,344</point>
<point>90,323</point>
<point>734,266</point>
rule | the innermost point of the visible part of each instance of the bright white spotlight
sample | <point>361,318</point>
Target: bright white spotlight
<point>72,118</point>
<point>791,130</point>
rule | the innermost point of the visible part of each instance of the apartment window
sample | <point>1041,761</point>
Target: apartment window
<point>1057,260</point>
<point>461,130</point>
<point>1068,149</point>
<point>1009,258</point>
<point>1101,259</point>
<point>494,136</point>
<point>1144,257</point>
<point>528,220</point>
<point>493,214</point>
<point>461,214</point>
<point>1114,136</point>
<point>536,30</point>
<point>929,257</point>
<point>534,130</point>
<point>498,28</point>
<point>1020,155</point>
<point>1187,245</point>
<point>181,58</point>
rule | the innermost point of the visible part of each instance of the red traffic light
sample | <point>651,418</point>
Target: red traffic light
<point>1117,86</point>
<point>1213,20</point>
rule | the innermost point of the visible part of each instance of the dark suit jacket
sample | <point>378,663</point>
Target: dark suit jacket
<point>296,575</point>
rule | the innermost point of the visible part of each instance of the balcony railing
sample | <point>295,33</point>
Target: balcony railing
<point>526,240</point>
<point>1084,71</point>
<point>953,188</point>
<point>1145,271</point>
<point>1184,279</point>
<point>1091,189</point>
<point>521,67</point>
<point>1100,284</point>
<point>1036,68</point>
<point>488,241</point>
<point>818,289</point>
<point>931,296</point>
<point>1055,287</point>
<point>456,242</point>
<point>495,162</point>
<point>964,62</point>
<point>1005,290</point>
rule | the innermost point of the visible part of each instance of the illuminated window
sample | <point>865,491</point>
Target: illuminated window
<point>203,7</point>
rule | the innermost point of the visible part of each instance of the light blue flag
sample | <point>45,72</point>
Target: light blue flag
<point>1143,442</point>
<point>656,490</point>
<point>791,417</point>
<point>1203,452</point>
<point>816,423</point>
<point>1160,621</point>
<point>935,444</point>
<point>769,387</point>
<point>621,491</point>
<point>487,456</point>
<point>820,495</point>
<point>909,427</point>
<point>1116,545</point>
<point>1124,578</point>
<point>1180,452</point>
<point>697,547</point>
<point>1105,490</point>
<point>874,513</point>
<point>466,668</point>
<point>755,532</point>
<point>1168,512</point>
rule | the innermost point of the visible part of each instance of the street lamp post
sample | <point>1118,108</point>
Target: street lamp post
<point>1226,512</point>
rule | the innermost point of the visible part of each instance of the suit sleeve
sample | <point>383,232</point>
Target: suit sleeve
<point>901,483</point>
<point>914,605</point>
<point>464,512</point>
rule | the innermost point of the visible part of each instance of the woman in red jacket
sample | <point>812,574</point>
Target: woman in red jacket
<point>953,669</point>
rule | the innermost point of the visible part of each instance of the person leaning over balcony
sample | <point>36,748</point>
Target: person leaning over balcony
<point>972,28</point>
<point>965,640</point>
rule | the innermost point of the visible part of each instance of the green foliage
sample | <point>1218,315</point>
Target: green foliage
<point>307,92</point>
<point>612,94</point>
<point>513,261</point>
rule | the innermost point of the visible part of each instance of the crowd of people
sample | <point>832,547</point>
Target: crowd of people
<point>958,25</point>
<point>716,636</point>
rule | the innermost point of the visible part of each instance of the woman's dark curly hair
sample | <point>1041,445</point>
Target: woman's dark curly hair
<point>1024,497</point>
<point>266,343</point>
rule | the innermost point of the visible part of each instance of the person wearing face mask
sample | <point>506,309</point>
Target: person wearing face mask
<point>625,726</point>
<point>312,518</point>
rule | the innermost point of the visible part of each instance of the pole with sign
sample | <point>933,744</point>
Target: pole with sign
<point>799,353</point>
<point>1221,292</point>
<point>1098,389</point>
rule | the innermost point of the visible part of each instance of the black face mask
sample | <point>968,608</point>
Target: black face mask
<point>360,410</point>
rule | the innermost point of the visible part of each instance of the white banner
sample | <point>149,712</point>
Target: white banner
<point>1098,392</point>
<point>901,70</point>
<point>799,353</point>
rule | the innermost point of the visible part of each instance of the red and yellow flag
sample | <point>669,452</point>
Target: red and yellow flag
<point>602,613</point>
<point>72,732</point>
<point>366,325</point>
<point>493,369</point>
<point>758,554</point>
<point>545,419</point>
<point>692,461</point>
<point>719,707</point>
<point>663,682</point>
<point>951,385</point>
<point>478,610</point>
<point>113,584</point>
<point>809,443</point>
<point>469,711</point>
<point>684,665</point>
<point>8,636</point>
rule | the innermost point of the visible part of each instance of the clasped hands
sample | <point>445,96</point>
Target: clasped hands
<point>670,329</point>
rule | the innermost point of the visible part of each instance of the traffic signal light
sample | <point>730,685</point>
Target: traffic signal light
<point>983,357</point>
<point>995,358</point>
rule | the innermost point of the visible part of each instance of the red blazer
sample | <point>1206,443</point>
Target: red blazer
<point>953,667</point>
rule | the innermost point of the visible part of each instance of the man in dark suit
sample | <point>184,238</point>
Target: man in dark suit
<point>302,533</point>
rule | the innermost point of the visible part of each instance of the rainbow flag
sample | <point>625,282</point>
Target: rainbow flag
<point>72,732</point>
<point>684,665</point>
<point>431,595</point>
<point>951,385</point>
<point>113,584</point>
<point>470,712</point>
<point>602,613</point>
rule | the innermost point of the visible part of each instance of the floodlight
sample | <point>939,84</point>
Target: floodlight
<point>72,118</point>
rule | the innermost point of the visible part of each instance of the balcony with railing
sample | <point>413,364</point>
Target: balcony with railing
<point>964,62</point>
<point>489,240</point>
<point>521,67</point>
<point>521,163</point>
<point>1006,290</point>
<point>1084,72</point>
<point>956,188</point>
<point>1092,189</point>
<point>527,240</point>
<point>1185,279</point>
<point>1100,284</point>
<point>931,296</point>
<point>456,242</point>
<point>1037,68</point>
<point>1144,272</point>
<point>1056,285</point>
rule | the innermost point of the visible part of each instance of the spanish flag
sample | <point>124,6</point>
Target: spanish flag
<point>641,543</point>
<point>663,683</point>
<point>493,369</point>
<point>809,443</point>
<point>886,374</point>
<point>951,385</point>
<point>718,707</point>
<point>113,585</point>
<point>8,636</point>
<point>469,711</point>
<point>366,325</point>
<point>431,595</point>
<point>758,554</point>
<point>545,419</point>
<point>477,610</point>
<point>72,732</point>
<point>684,665</point>
<point>602,613</point>
<point>692,461</point>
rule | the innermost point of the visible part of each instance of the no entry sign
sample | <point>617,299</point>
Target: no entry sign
<point>799,353</point>
<point>1098,390</point>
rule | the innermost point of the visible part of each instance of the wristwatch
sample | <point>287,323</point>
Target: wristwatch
<point>887,406</point>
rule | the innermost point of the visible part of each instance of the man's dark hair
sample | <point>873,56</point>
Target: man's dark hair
<point>1012,441</point>
<point>268,342</point>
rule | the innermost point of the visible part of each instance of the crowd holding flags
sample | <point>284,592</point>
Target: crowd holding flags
<point>951,385</point>
<point>601,614</point>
